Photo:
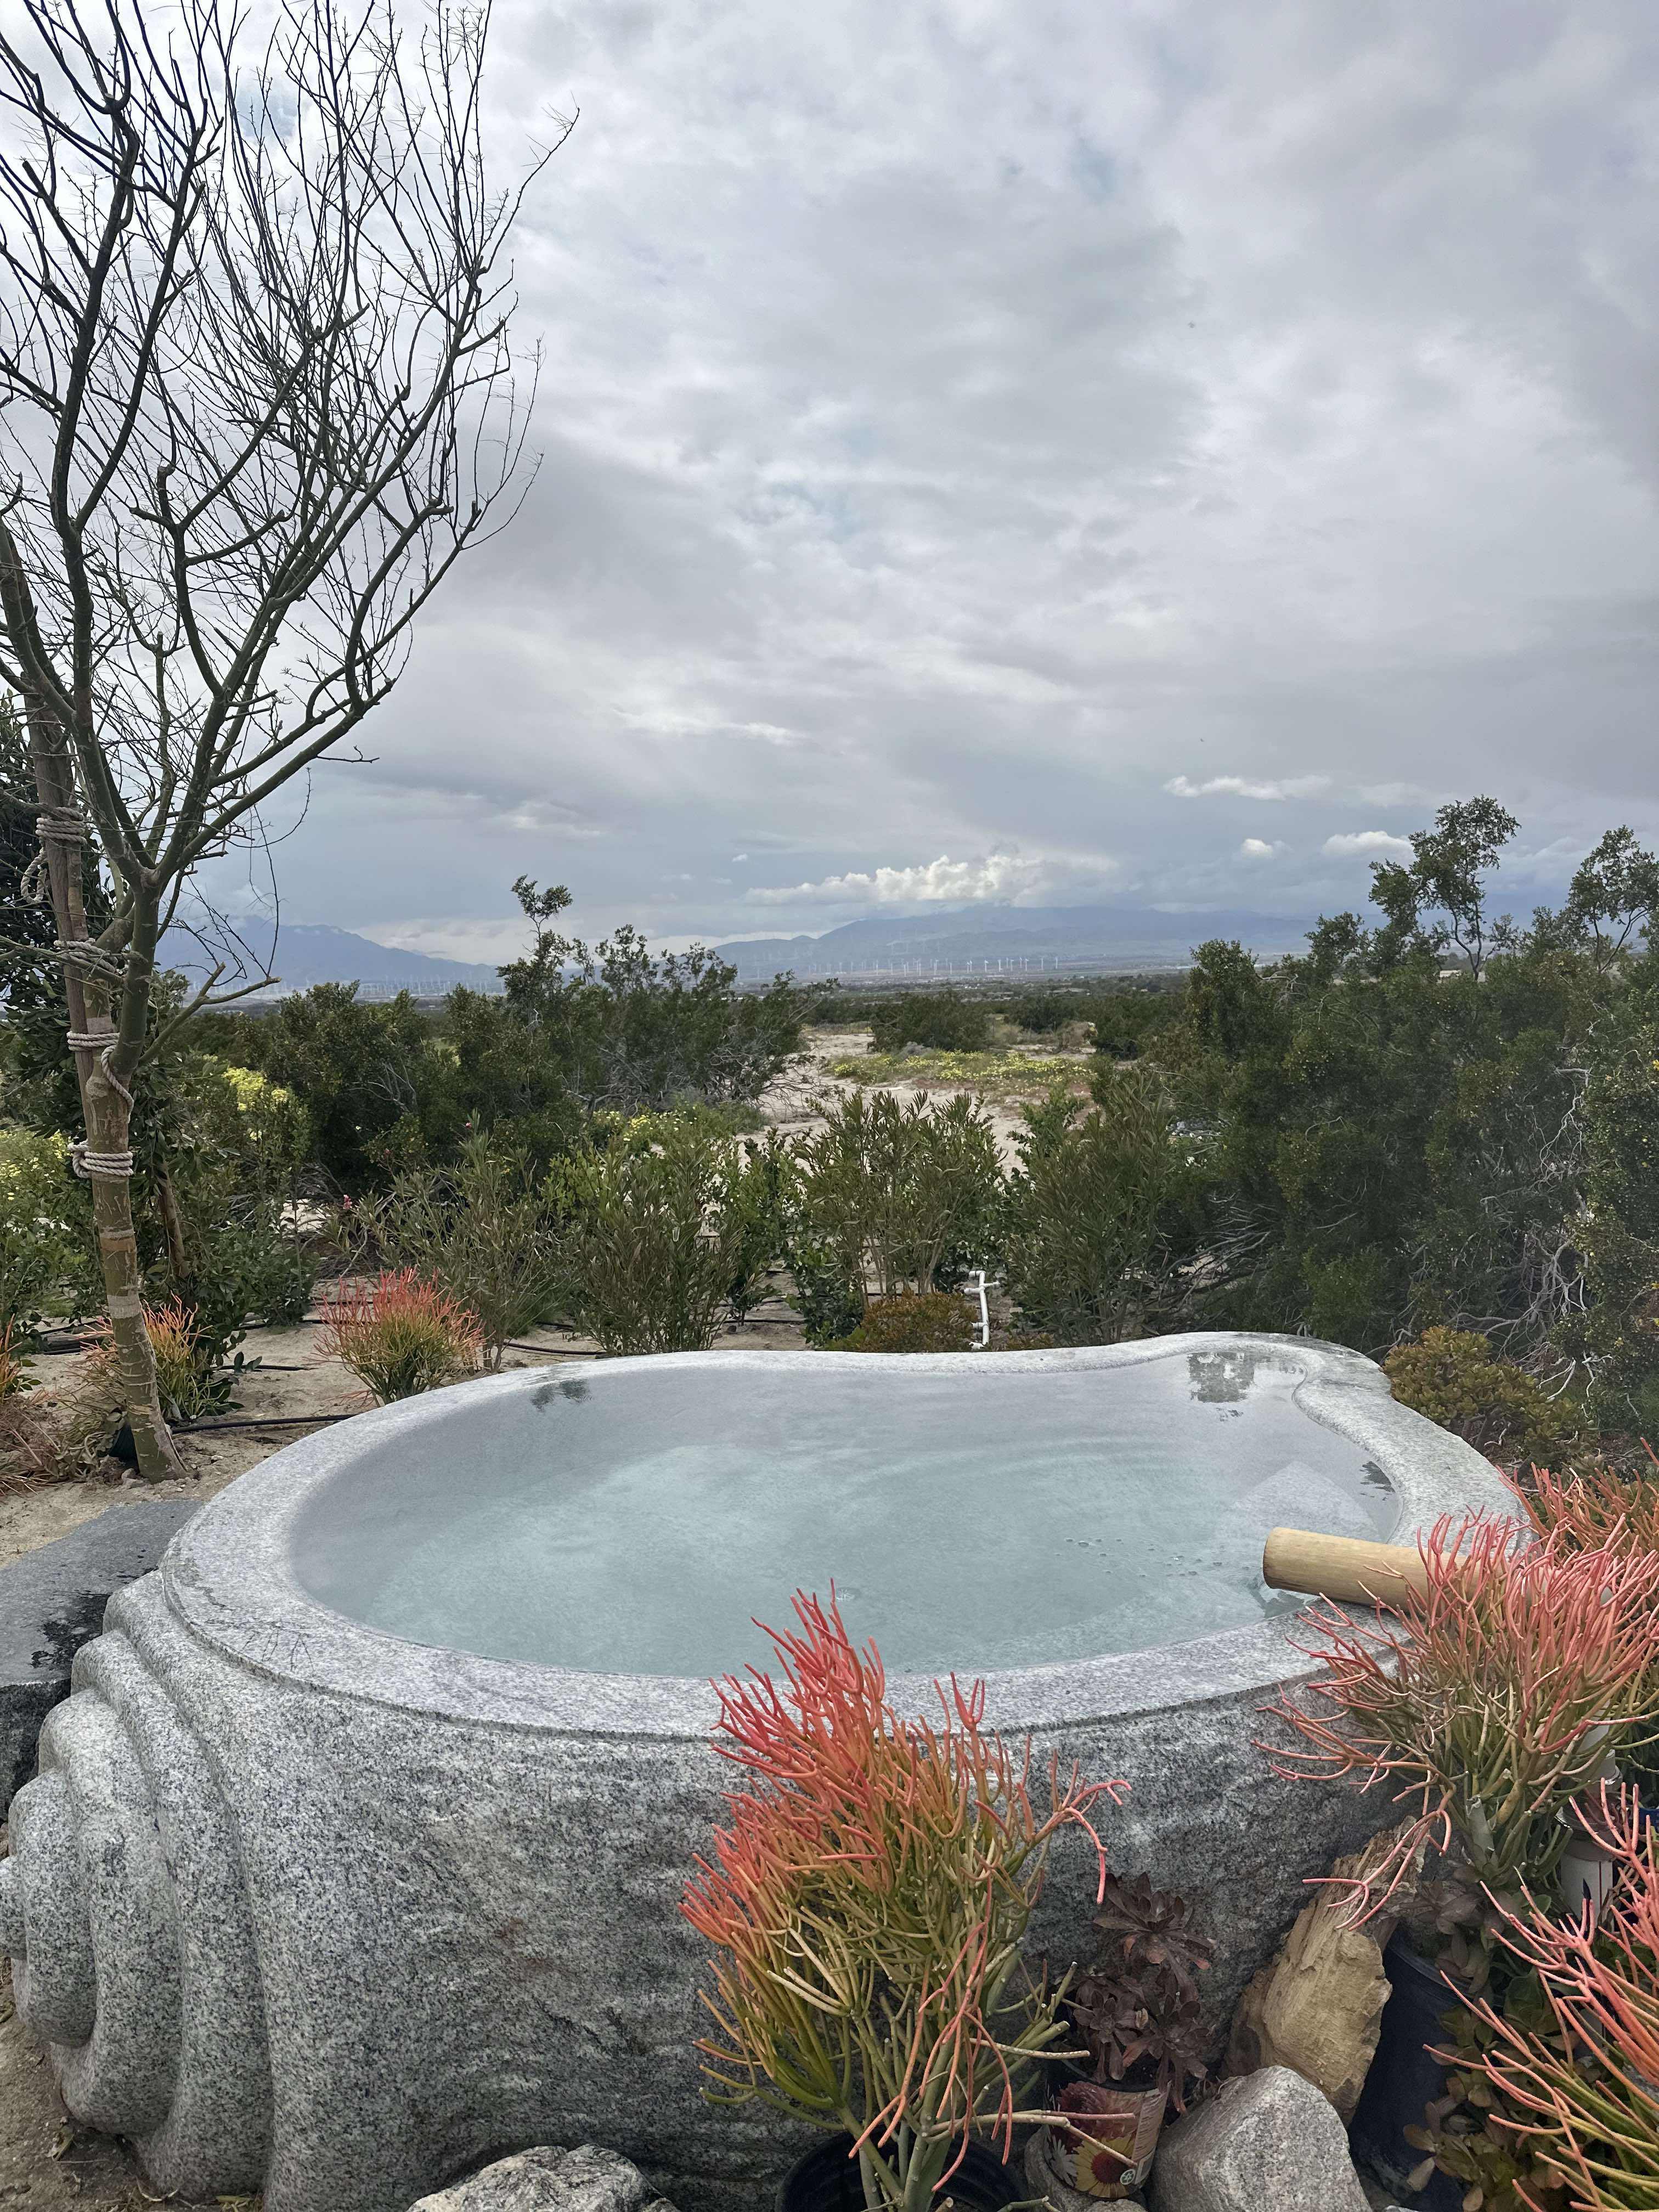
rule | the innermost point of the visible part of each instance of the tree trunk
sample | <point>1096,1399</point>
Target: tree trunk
<point>106,1105</point>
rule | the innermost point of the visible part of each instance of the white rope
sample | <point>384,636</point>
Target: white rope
<point>115,1166</point>
<point>53,825</point>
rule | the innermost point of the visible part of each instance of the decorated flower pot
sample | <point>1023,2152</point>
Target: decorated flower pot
<point>1103,2135</point>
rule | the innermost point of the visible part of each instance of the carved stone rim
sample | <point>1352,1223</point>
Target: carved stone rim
<point>228,1577</point>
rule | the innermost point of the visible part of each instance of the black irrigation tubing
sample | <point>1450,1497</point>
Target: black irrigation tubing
<point>276,1421</point>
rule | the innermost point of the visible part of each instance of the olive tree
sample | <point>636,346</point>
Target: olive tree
<point>256,398</point>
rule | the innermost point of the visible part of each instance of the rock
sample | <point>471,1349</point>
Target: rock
<point>1269,2142</point>
<point>1318,2007</point>
<point>548,2180</point>
<point>52,1603</point>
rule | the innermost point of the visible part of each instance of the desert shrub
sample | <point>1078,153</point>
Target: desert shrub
<point>485,1228</point>
<point>373,1090</point>
<point>829,1287</point>
<point>653,1237</point>
<point>632,1031</point>
<point>401,1335</point>
<point>895,1196</point>
<point>1453,1376</point>
<point>944,1019</point>
<point>755,1203</point>
<point>1101,1219</point>
<point>42,1226</point>
<point>913,1320</point>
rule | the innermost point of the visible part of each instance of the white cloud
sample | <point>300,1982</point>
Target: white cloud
<point>936,453</point>
<point>1347,843</point>
<point>1241,787</point>
<point>1256,848</point>
<point>1009,877</point>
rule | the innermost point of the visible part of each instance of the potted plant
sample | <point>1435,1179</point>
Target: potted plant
<point>1136,2012</point>
<point>867,1903</point>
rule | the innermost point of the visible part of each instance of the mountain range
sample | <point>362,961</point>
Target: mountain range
<point>306,952</point>
<point>976,940</point>
<point>1013,940</point>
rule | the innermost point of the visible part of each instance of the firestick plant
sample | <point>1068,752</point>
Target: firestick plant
<point>867,1905</point>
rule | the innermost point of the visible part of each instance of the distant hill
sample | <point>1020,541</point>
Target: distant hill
<point>312,952</point>
<point>1013,940</point>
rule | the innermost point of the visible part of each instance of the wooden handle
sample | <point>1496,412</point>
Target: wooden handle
<point>1340,1567</point>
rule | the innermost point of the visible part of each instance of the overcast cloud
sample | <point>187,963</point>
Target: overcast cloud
<point>1042,452</point>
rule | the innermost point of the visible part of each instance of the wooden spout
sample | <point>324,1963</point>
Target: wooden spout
<point>1340,1567</point>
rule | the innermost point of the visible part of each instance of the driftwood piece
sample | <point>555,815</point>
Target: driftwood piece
<point>1318,2006</point>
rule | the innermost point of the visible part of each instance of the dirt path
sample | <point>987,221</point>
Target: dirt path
<point>797,1101</point>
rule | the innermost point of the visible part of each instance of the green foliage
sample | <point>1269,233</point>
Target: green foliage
<point>43,1226</point>
<point>755,1181</point>
<point>376,1088</point>
<point>944,1019</point>
<point>1453,1376</point>
<point>893,1197</point>
<point>1101,1214</point>
<point>913,1320</point>
<point>632,1033</point>
<point>1391,1144</point>
<point>654,1234</point>
<point>484,1230</point>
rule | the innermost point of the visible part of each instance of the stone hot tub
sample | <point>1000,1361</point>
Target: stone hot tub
<point>354,1859</point>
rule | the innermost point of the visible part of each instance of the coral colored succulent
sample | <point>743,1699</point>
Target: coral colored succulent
<point>1482,1700</point>
<point>401,1334</point>
<point>867,1904</point>
<point>1588,2089</point>
<point>1594,1509</point>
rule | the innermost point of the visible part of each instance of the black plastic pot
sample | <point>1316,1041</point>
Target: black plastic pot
<point>826,2181</point>
<point>1404,2077</point>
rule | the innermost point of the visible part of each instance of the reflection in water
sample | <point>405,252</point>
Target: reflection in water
<point>1222,1377</point>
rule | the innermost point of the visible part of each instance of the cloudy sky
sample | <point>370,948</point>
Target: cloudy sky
<point>1042,450</point>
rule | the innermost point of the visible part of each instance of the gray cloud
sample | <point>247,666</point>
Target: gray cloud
<point>982,432</point>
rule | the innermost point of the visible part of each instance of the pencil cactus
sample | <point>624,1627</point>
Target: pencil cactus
<point>867,1904</point>
<point>1484,1701</point>
<point>1587,2085</point>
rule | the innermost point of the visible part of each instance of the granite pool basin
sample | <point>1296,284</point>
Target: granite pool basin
<point>354,1859</point>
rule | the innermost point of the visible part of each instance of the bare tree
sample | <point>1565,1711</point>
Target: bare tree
<point>256,397</point>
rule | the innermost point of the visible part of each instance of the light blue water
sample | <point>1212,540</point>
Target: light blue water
<point>635,1521</point>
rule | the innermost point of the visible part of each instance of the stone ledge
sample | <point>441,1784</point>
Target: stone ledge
<point>52,1603</point>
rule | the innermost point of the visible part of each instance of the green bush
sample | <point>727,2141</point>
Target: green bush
<point>1101,1218</point>
<point>485,1230</point>
<point>1452,1375</point>
<point>915,1320</point>
<point>943,1019</point>
<point>45,1225</point>
<point>653,1236</point>
<point>890,1197</point>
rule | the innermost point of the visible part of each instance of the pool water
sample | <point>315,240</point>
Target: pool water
<point>638,1519</point>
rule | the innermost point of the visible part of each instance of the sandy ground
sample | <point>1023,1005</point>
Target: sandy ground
<point>795,1101</point>
<point>46,2163</point>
